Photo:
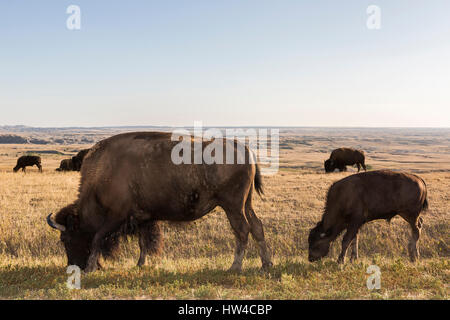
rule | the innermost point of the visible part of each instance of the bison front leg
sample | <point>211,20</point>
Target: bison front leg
<point>143,251</point>
<point>413,250</point>
<point>150,239</point>
<point>354,248</point>
<point>92,261</point>
<point>351,233</point>
<point>241,229</point>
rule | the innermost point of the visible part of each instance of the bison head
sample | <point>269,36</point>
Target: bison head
<point>16,168</point>
<point>319,242</point>
<point>76,242</point>
<point>329,165</point>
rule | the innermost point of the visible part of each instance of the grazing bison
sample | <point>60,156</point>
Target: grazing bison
<point>66,165</point>
<point>129,183</point>
<point>343,157</point>
<point>28,161</point>
<point>77,160</point>
<point>363,197</point>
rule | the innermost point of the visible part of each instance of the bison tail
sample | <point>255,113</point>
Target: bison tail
<point>258,181</point>
<point>425,205</point>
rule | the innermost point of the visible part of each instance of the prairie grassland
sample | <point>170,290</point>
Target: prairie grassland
<point>196,256</point>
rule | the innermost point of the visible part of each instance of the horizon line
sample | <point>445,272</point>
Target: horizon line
<point>224,126</point>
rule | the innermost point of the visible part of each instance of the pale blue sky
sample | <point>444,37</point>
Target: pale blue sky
<point>234,63</point>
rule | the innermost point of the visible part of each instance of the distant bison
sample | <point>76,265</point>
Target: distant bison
<point>363,197</point>
<point>66,165</point>
<point>28,161</point>
<point>73,164</point>
<point>77,160</point>
<point>343,157</point>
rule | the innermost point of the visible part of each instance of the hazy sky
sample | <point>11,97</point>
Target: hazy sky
<point>238,62</point>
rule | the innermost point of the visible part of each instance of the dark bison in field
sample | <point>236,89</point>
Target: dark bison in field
<point>77,160</point>
<point>129,183</point>
<point>363,197</point>
<point>343,157</point>
<point>28,161</point>
<point>65,165</point>
<point>73,164</point>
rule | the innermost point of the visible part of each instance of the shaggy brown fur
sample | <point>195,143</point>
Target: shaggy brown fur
<point>360,198</point>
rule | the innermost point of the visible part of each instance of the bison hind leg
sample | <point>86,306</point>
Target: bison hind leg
<point>416,227</point>
<point>241,230</point>
<point>257,231</point>
<point>150,240</point>
<point>364,166</point>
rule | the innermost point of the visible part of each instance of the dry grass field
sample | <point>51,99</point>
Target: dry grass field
<point>196,256</point>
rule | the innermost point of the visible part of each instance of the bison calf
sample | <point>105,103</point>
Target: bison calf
<point>343,157</point>
<point>28,161</point>
<point>360,198</point>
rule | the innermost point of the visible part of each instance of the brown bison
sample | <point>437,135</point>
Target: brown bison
<point>66,165</point>
<point>363,197</point>
<point>77,160</point>
<point>28,161</point>
<point>343,157</point>
<point>129,182</point>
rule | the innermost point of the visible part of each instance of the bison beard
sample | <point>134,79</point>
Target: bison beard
<point>129,183</point>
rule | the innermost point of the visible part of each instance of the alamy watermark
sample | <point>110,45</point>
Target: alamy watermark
<point>227,147</point>
<point>74,280</point>
<point>374,280</point>
<point>73,22</point>
<point>374,19</point>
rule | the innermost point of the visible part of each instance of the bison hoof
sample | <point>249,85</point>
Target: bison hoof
<point>91,268</point>
<point>235,268</point>
<point>140,263</point>
<point>267,266</point>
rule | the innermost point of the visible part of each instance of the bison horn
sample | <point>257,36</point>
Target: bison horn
<point>55,225</point>
<point>322,235</point>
